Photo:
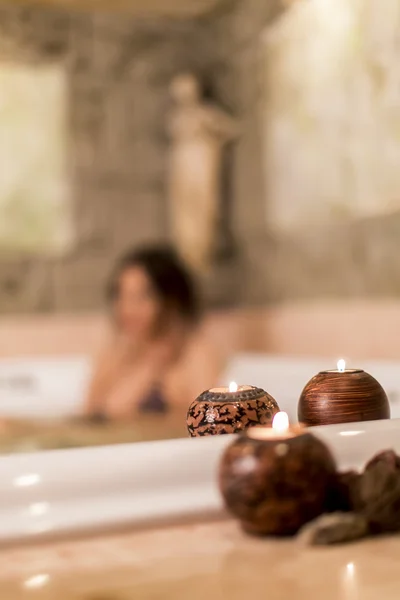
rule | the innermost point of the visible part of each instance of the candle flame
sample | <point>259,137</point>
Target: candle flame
<point>233,386</point>
<point>341,365</point>
<point>281,422</point>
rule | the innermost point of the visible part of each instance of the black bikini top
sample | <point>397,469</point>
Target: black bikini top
<point>154,402</point>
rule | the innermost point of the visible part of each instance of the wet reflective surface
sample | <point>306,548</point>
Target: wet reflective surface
<point>210,561</point>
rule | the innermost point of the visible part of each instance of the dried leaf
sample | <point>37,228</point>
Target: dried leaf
<point>336,528</point>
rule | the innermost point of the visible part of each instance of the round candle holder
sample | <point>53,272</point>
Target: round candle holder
<point>218,411</point>
<point>333,397</point>
<point>275,486</point>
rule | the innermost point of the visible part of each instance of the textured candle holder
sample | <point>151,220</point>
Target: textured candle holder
<point>275,486</point>
<point>218,411</point>
<point>342,397</point>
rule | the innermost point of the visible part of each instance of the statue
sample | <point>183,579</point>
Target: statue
<point>198,132</point>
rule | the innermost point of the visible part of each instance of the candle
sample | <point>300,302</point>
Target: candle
<point>342,396</point>
<point>230,409</point>
<point>232,388</point>
<point>341,368</point>
<point>280,429</point>
<point>276,479</point>
<point>280,424</point>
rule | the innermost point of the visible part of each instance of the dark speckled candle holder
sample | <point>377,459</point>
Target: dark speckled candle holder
<point>219,411</point>
<point>274,484</point>
<point>347,396</point>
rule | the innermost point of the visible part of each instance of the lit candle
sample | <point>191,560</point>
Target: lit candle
<point>230,410</point>
<point>280,424</point>
<point>342,396</point>
<point>275,479</point>
<point>280,430</point>
<point>232,388</point>
<point>341,368</point>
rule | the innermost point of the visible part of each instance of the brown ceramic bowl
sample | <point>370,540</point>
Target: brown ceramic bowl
<point>274,487</point>
<point>334,397</point>
<point>217,411</point>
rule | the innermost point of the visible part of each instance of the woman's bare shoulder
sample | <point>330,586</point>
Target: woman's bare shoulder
<point>202,351</point>
<point>203,365</point>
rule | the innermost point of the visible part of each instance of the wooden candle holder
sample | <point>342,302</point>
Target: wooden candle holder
<point>333,397</point>
<point>218,411</point>
<point>275,486</point>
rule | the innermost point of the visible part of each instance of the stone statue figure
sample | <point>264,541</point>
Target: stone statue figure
<point>198,132</point>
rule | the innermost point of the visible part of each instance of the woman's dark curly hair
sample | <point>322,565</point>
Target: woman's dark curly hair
<point>171,280</point>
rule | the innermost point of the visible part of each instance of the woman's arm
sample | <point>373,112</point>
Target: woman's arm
<point>126,395</point>
<point>102,380</point>
<point>122,380</point>
<point>203,368</point>
<point>112,364</point>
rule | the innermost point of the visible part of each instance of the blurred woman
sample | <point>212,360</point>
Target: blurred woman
<point>157,361</point>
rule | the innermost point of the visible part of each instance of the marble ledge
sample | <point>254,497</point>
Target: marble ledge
<point>206,560</point>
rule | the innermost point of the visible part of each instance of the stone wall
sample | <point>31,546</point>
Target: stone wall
<point>118,72</point>
<point>348,259</point>
<point>236,31</point>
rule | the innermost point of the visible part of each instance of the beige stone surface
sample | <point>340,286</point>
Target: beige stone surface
<point>332,119</point>
<point>34,196</point>
<point>358,329</point>
<point>197,561</point>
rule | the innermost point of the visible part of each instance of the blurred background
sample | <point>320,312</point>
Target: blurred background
<point>292,219</point>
